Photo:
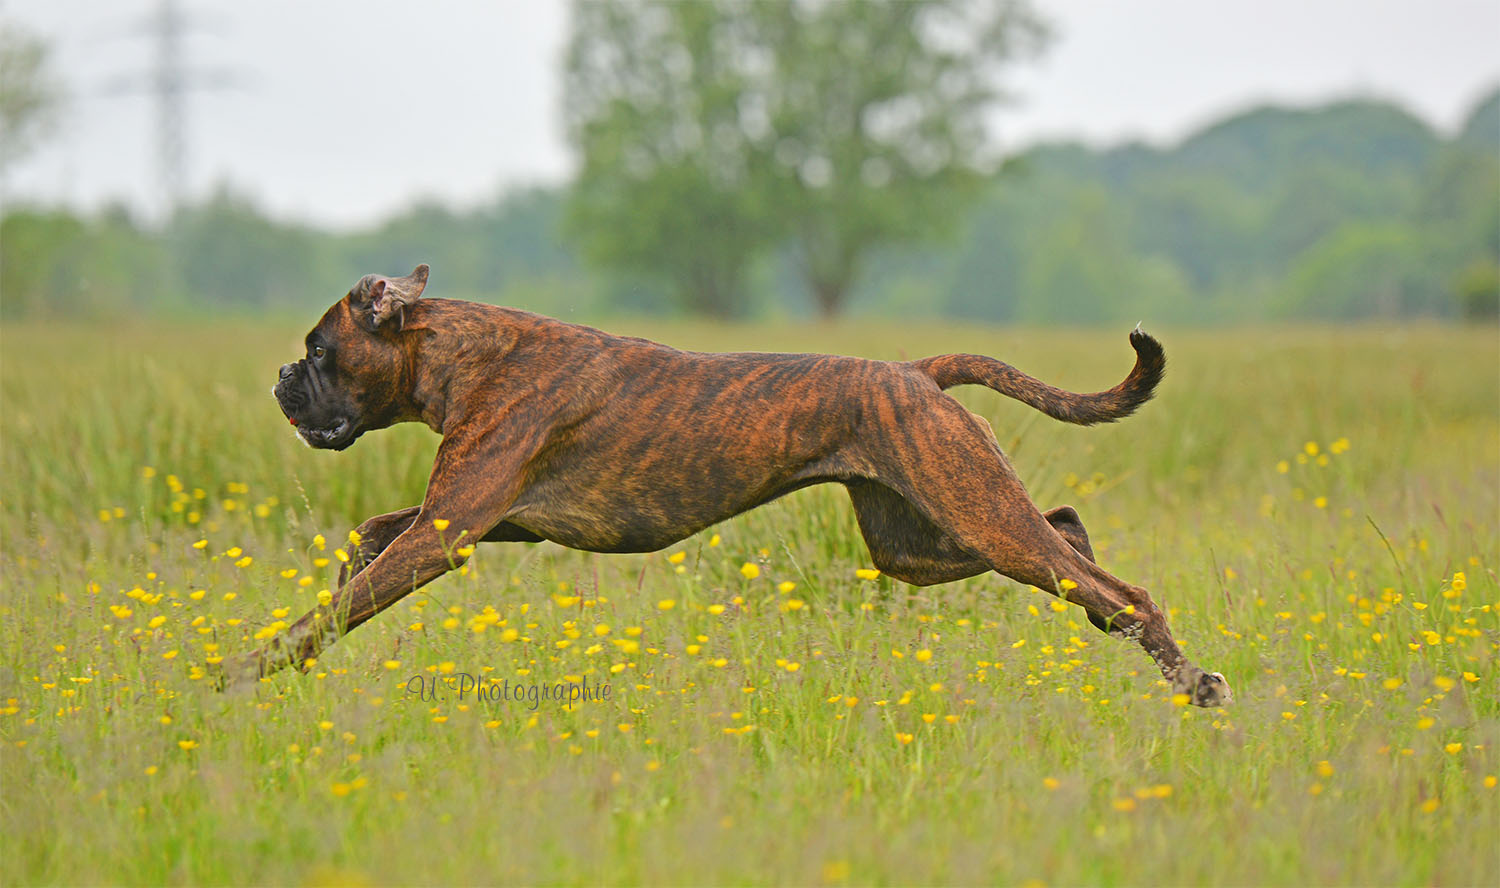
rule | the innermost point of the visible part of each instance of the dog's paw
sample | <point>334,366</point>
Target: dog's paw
<point>1212,690</point>
<point>1207,689</point>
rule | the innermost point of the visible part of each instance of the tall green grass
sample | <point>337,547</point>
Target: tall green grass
<point>837,730</point>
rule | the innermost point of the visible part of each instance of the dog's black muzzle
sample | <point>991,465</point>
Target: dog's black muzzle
<point>296,393</point>
<point>290,391</point>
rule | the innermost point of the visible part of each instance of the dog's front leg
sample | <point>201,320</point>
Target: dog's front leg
<point>419,555</point>
<point>473,483</point>
<point>373,536</point>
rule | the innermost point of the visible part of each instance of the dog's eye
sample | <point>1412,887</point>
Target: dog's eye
<point>318,352</point>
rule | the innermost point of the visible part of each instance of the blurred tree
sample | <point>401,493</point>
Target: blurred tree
<point>1482,128</point>
<point>229,255</point>
<point>1478,291</point>
<point>1459,209</point>
<point>1257,148</point>
<point>452,243</point>
<point>711,131</point>
<point>869,118</point>
<point>1365,271</point>
<point>1204,224</point>
<point>36,249</point>
<point>29,94</point>
<point>1256,217</point>
<point>1082,269</point>
<point>509,250</point>
<point>56,265</point>
<point>653,99</point>
<point>1308,203</point>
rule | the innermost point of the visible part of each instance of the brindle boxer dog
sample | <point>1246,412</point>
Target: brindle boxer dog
<point>553,431</point>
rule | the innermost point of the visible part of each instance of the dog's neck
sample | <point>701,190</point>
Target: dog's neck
<point>448,327</point>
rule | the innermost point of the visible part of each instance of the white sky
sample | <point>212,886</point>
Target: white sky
<point>349,110</point>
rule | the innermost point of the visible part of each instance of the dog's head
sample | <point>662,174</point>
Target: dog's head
<point>353,378</point>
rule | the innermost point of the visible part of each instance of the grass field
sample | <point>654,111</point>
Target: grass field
<point>1318,509</point>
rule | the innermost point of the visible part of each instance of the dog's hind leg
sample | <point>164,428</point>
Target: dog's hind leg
<point>907,546</point>
<point>903,543</point>
<point>1065,520</point>
<point>956,477</point>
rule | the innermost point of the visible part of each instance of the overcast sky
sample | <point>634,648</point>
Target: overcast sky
<point>344,111</point>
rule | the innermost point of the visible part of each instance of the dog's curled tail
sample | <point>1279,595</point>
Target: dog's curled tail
<point>1108,406</point>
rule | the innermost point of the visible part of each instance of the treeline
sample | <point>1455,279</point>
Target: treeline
<point>1351,211</point>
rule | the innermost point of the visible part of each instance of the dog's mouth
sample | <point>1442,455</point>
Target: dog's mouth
<point>336,437</point>
<point>289,399</point>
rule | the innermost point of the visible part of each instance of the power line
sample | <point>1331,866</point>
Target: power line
<point>168,79</point>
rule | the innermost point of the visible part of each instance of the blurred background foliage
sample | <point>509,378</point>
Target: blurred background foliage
<point>772,160</point>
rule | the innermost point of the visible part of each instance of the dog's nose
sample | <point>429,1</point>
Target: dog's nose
<point>286,370</point>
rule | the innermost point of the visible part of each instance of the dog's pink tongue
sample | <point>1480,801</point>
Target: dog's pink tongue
<point>292,420</point>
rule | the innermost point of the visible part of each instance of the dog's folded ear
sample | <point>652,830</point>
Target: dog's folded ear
<point>377,299</point>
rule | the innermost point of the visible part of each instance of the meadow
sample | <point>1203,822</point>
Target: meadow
<point>1317,508</point>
